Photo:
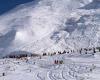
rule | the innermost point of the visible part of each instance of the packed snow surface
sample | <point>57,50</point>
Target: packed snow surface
<point>75,67</point>
<point>50,25</point>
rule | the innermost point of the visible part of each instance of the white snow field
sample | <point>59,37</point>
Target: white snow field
<point>48,26</point>
<point>75,67</point>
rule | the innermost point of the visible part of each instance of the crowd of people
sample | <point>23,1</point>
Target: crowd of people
<point>92,50</point>
<point>69,51</point>
<point>80,51</point>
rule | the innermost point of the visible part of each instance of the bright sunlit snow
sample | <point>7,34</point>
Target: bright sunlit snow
<point>48,26</point>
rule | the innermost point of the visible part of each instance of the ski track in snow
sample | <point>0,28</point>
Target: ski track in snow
<point>51,26</point>
<point>45,69</point>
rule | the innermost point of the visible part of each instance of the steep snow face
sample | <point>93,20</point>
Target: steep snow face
<point>49,25</point>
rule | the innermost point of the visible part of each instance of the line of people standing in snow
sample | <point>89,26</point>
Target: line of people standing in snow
<point>91,51</point>
<point>80,51</point>
<point>57,61</point>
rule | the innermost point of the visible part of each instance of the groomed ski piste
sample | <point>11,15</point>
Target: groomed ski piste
<point>75,66</point>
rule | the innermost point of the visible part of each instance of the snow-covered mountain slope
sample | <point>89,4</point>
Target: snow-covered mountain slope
<point>50,25</point>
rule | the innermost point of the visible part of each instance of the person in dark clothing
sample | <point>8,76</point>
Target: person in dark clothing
<point>44,54</point>
<point>59,52</point>
<point>80,51</point>
<point>94,51</point>
<point>56,62</point>
<point>64,52</point>
<point>3,74</point>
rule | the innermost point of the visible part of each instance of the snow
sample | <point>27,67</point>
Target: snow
<point>43,26</point>
<point>48,26</point>
<point>73,68</point>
